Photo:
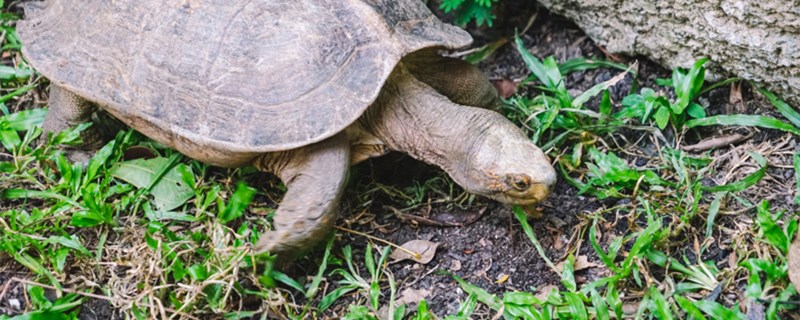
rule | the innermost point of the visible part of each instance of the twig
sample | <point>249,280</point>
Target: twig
<point>716,142</point>
<point>412,253</point>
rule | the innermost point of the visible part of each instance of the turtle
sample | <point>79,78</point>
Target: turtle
<point>303,89</point>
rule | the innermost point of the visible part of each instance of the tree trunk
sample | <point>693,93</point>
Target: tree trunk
<point>756,40</point>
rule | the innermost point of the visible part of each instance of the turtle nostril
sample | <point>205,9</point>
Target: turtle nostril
<point>520,182</point>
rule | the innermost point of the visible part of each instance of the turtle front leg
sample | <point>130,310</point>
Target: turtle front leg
<point>458,80</point>
<point>315,176</point>
<point>67,110</point>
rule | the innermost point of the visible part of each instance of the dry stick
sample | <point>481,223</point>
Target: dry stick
<point>716,142</point>
<point>412,253</point>
<point>92,295</point>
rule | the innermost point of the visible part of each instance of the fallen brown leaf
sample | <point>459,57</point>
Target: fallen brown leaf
<point>542,295</point>
<point>455,265</point>
<point>794,263</point>
<point>581,262</point>
<point>424,248</point>
<point>630,307</point>
<point>505,87</point>
<point>409,296</point>
<point>716,142</point>
<point>735,100</point>
<point>502,278</point>
<point>138,152</point>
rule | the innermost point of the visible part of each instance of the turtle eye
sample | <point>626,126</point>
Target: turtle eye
<point>520,182</point>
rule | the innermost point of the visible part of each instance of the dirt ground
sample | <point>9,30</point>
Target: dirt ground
<point>492,253</point>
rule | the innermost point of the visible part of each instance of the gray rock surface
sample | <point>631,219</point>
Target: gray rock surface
<point>757,40</point>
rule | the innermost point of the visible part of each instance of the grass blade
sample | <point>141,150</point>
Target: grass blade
<point>744,120</point>
<point>785,109</point>
<point>523,220</point>
<point>486,298</point>
<point>285,279</point>
<point>535,65</point>
<point>25,194</point>
<point>717,85</point>
<point>713,209</point>
<point>797,175</point>
<point>597,89</point>
<point>580,64</point>
<point>745,183</point>
<point>314,287</point>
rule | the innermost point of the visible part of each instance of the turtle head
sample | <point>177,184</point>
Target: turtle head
<point>506,166</point>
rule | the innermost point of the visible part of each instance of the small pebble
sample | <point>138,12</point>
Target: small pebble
<point>14,303</point>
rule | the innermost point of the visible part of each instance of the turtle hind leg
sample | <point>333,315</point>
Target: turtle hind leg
<point>315,177</point>
<point>67,110</point>
<point>458,80</point>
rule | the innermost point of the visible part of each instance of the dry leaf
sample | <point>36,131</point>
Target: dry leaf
<point>794,263</point>
<point>424,249</point>
<point>138,152</point>
<point>542,295</point>
<point>505,87</point>
<point>735,100</point>
<point>630,307</point>
<point>409,296</point>
<point>581,262</point>
<point>455,265</point>
<point>502,278</point>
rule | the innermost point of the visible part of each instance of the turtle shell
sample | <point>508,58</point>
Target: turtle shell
<point>235,75</point>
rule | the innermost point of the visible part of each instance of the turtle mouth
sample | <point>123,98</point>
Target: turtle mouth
<point>533,194</point>
<point>519,189</point>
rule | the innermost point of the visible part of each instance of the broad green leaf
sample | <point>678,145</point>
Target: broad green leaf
<point>198,272</point>
<point>575,309</point>
<point>422,311</point>
<point>689,307</point>
<point>160,215</point>
<point>71,243</point>
<point>696,111</point>
<point>239,201</point>
<point>605,104</point>
<point>23,120</point>
<point>600,306</point>
<point>168,193</point>
<point>713,209</point>
<point>12,74</point>
<point>662,117</point>
<point>717,311</point>
<point>660,305</point>
<point>567,275</point>
<point>285,279</point>
<point>537,67</point>
<point>334,295</point>
<point>486,298</point>
<point>596,89</point>
<point>773,233</point>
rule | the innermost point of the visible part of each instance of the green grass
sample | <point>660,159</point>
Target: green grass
<point>159,234</point>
